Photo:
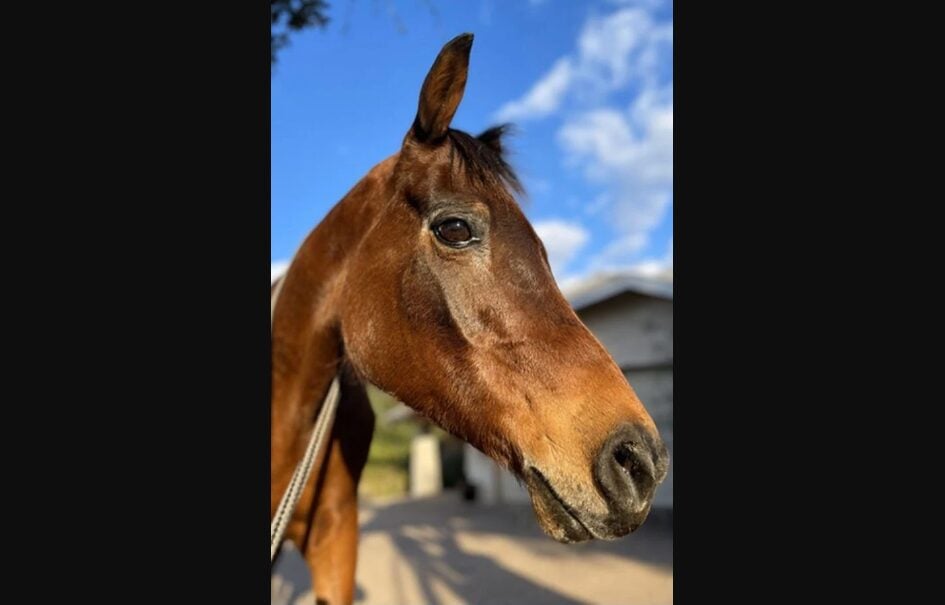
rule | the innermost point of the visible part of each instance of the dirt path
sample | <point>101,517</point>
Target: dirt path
<point>442,551</point>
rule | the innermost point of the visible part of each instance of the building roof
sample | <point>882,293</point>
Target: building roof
<point>601,286</point>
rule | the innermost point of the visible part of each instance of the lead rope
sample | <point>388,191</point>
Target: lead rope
<point>304,469</point>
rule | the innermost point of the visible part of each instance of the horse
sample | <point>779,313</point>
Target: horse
<point>428,281</point>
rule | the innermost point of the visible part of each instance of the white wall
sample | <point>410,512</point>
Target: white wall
<point>636,330</point>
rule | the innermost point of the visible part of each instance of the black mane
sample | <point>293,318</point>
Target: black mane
<point>483,156</point>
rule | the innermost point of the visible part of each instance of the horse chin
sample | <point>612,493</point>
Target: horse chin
<point>556,518</point>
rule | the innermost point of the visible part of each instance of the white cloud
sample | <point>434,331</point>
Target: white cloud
<point>602,134</point>
<point>276,269</point>
<point>661,268</point>
<point>625,149</point>
<point>650,268</point>
<point>619,249</point>
<point>544,97</point>
<point>631,154</point>
<point>612,52</point>
<point>563,240</point>
<point>615,47</point>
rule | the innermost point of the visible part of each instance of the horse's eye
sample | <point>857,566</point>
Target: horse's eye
<point>454,232</point>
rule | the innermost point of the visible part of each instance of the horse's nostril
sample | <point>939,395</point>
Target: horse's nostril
<point>629,466</point>
<point>627,460</point>
<point>622,455</point>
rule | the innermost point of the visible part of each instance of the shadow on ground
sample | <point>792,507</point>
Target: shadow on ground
<point>443,551</point>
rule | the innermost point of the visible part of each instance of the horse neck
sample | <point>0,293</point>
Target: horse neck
<point>306,343</point>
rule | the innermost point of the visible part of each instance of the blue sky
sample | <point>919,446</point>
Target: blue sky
<point>588,85</point>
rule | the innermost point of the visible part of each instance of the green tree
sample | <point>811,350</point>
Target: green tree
<point>292,16</point>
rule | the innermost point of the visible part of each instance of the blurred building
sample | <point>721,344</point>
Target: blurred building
<point>633,317</point>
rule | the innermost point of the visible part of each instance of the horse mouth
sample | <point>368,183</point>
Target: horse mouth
<point>556,517</point>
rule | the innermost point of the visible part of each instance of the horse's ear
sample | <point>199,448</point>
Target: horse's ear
<point>443,90</point>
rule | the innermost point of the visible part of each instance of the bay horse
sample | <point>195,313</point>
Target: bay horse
<point>427,280</point>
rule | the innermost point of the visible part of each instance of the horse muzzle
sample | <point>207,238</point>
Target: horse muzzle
<point>627,470</point>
